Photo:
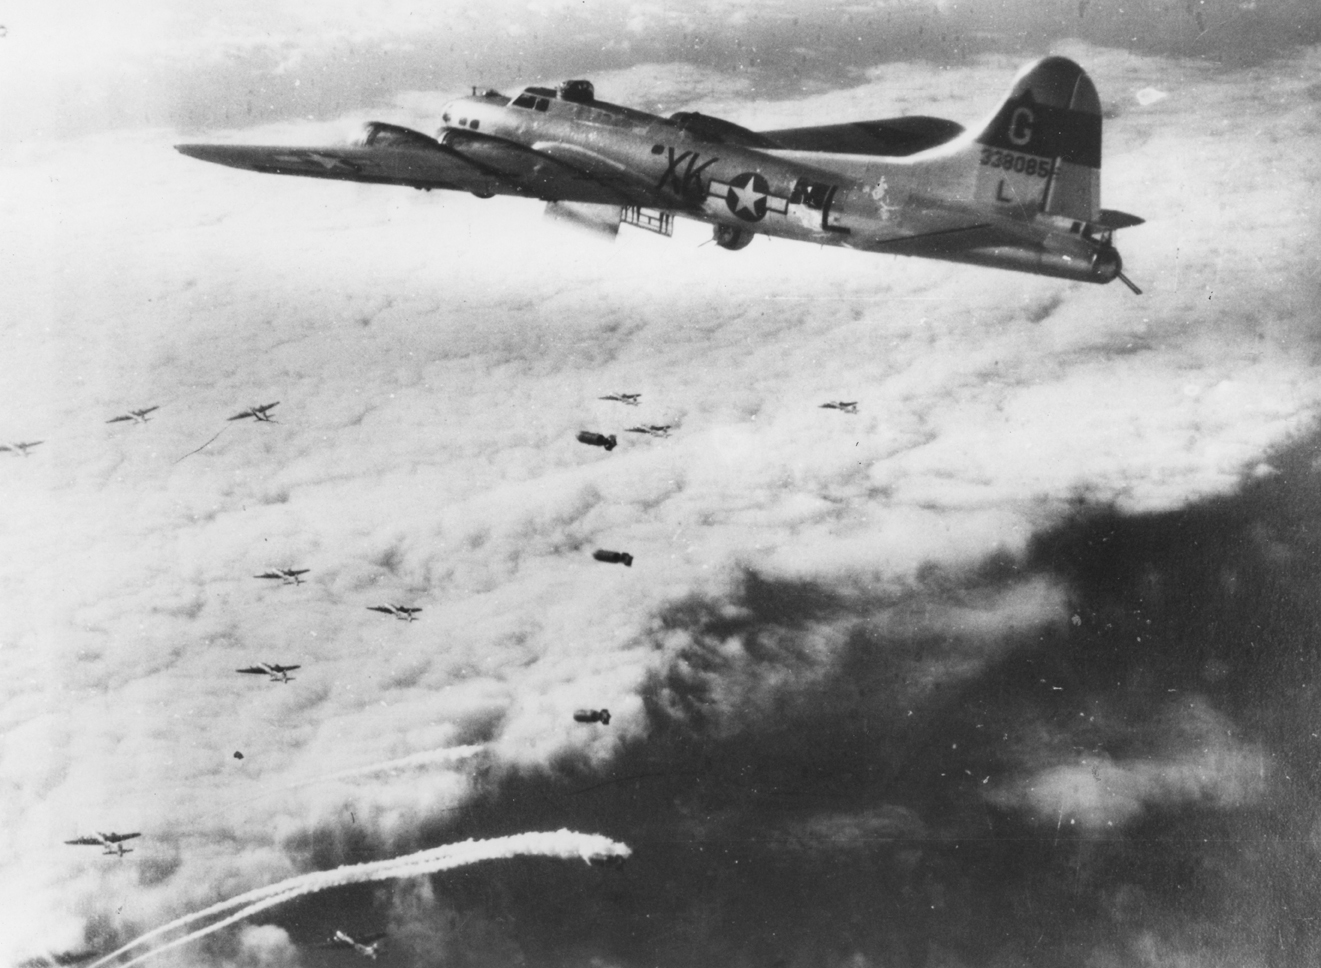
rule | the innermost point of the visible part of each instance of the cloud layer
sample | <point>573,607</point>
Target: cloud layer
<point>865,657</point>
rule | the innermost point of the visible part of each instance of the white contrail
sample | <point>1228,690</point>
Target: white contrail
<point>559,843</point>
<point>451,754</point>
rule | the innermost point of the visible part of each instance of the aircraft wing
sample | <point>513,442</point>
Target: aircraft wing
<point>85,841</point>
<point>280,668</point>
<point>256,670</point>
<point>462,161</point>
<point>116,838</point>
<point>369,938</point>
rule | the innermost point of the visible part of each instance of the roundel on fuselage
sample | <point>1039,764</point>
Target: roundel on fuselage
<point>747,196</point>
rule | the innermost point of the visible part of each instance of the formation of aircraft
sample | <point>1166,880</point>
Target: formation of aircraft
<point>22,448</point>
<point>655,430</point>
<point>137,416</point>
<point>404,613</point>
<point>593,439</point>
<point>287,576</point>
<point>262,413</point>
<point>112,842</point>
<point>601,716</point>
<point>613,557</point>
<point>278,673</point>
<point>1021,191</point>
<point>366,945</point>
<point>848,406</point>
<point>629,399</point>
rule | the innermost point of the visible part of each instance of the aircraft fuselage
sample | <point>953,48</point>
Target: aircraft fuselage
<point>900,205</point>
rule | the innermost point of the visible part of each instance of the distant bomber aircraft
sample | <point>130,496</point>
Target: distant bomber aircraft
<point>655,430</point>
<point>137,416</point>
<point>1022,191</point>
<point>366,945</point>
<point>404,613</point>
<point>287,576</point>
<point>593,439</point>
<point>278,673</point>
<point>21,449</point>
<point>848,406</point>
<point>112,842</point>
<point>601,716</point>
<point>260,413</point>
<point>613,557</point>
<point>631,399</point>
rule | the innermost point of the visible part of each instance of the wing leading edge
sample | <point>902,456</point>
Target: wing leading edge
<point>461,161</point>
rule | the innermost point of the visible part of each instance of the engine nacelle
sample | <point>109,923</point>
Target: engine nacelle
<point>733,238</point>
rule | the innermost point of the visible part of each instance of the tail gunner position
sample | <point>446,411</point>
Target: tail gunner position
<point>1022,191</point>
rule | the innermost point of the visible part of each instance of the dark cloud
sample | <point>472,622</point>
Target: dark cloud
<point>836,776</point>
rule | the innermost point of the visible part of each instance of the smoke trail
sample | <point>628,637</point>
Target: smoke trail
<point>450,754</point>
<point>425,758</point>
<point>560,843</point>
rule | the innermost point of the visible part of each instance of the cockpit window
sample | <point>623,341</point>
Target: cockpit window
<point>542,104</point>
<point>525,100</point>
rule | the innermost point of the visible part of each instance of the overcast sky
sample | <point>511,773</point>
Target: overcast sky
<point>1015,665</point>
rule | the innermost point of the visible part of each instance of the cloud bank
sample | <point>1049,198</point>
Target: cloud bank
<point>862,662</point>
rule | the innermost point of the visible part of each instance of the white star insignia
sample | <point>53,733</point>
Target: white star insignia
<point>325,160</point>
<point>747,198</point>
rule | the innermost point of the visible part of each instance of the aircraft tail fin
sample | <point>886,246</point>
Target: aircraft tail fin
<point>1041,150</point>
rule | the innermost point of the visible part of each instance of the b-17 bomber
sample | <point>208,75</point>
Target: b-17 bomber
<point>405,613</point>
<point>21,449</point>
<point>601,716</point>
<point>613,557</point>
<point>593,439</point>
<point>278,673</point>
<point>112,842</point>
<point>261,413</point>
<point>287,576</point>
<point>628,399</point>
<point>1020,191</point>
<point>136,416</point>
<point>366,945</point>
<point>847,406</point>
<point>653,430</point>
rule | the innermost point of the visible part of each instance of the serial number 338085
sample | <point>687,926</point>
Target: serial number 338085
<point>1024,164</point>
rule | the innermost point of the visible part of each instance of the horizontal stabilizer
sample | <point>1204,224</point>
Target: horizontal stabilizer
<point>889,138</point>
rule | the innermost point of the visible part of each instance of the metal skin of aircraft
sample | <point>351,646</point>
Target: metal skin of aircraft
<point>1021,192</point>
